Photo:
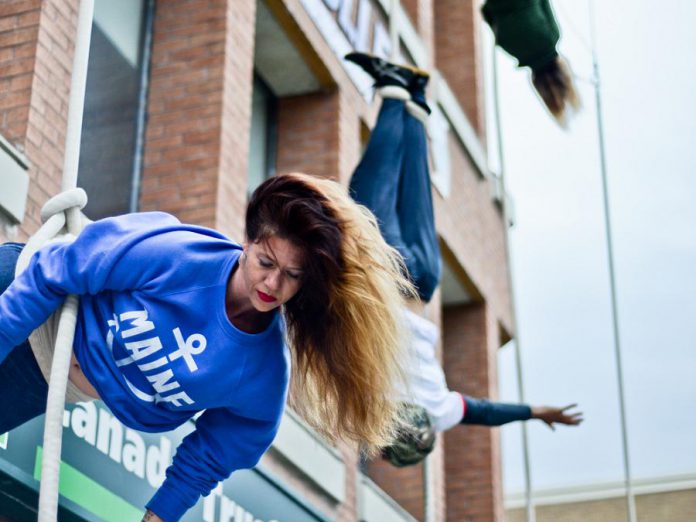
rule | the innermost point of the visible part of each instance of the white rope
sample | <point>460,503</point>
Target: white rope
<point>417,112</point>
<point>55,215</point>
<point>62,219</point>
<point>394,91</point>
<point>55,403</point>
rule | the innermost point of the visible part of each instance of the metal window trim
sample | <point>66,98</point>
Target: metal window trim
<point>14,179</point>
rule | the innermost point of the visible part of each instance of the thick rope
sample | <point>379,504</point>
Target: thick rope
<point>54,215</point>
<point>62,219</point>
<point>43,339</point>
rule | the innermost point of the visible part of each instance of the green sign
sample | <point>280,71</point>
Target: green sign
<point>111,471</point>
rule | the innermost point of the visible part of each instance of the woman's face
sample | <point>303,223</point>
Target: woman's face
<point>272,272</point>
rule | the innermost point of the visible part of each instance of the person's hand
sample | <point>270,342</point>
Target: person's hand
<point>552,415</point>
<point>151,517</point>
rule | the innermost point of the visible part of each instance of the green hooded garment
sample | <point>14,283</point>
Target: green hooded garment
<point>526,29</point>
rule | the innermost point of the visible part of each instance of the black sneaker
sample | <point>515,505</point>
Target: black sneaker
<point>417,91</point>
<point>419,82</point>
<point>385,73</point>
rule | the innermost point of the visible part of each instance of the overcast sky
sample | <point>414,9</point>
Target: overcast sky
<point>559,248</point>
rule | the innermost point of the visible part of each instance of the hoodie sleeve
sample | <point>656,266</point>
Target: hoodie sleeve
<point>491,413</point>
<point>130,252</point>
<point>222,443</point>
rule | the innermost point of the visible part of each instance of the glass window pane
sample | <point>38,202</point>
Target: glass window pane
<point>111,107</point>
<point>262,141</point>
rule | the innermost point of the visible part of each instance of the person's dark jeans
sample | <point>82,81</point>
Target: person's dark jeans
<point>393,181</point>
<point>23,389</point>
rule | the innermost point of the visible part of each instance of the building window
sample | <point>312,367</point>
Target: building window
<point>262,140</point>
<point>113,103</point>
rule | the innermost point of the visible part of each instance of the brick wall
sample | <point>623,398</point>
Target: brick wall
<point>236,116</point>
<point>458,55</point>
<point>411,9</point>
<point>199,112</point>
<point>472,463</point>
<point>19,28</point>
<point>308,134</point>
<point>405,485</point>
<point>36,53</point>
<point>195,167</point>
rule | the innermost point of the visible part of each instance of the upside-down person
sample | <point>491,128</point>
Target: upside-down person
<point>528,31</point>
<point>393,181</point>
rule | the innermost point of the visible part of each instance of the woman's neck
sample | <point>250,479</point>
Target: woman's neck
<point>240,311</point>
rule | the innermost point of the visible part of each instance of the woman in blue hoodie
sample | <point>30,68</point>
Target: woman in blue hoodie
<point>175,319</point>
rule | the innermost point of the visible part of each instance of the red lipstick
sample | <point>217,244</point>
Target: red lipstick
<point>265,297</point>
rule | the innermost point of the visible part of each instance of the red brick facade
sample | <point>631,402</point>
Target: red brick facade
<point>36,53</point>
<point>195,166</point>
<point>199,112</point>
<point>458,55</point>
<point>308,134</point>
<point>473,478</point>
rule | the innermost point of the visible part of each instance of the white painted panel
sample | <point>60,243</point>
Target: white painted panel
<point>439,145</point>
<point>306,451</point>
<point>14,181</point>
<point>339,44</point>
<point>462,127</point>
<point>411,39</point>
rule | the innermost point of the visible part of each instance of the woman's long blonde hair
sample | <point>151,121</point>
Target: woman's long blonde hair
<point>344,326</point>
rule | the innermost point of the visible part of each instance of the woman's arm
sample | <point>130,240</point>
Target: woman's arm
<point>221,443</point>
<point>490,413</point>
<point>130,252</point>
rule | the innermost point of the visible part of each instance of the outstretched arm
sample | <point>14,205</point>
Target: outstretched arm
<point>491,413</point>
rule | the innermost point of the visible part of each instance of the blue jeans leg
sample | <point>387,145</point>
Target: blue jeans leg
<point>375,182</point>
<point>415,210</point>
<point>393,181</point>
<point>23,389</point>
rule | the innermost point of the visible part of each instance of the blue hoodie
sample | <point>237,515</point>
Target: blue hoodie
<point>154,339</point>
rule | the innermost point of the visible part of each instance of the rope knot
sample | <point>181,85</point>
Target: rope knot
<point>72,198</point>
